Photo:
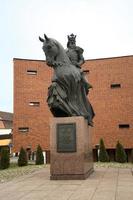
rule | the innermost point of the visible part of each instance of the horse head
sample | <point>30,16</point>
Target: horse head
<point>50,49</point>
<point>54,51</point>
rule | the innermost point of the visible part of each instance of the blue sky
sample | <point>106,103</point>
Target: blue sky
<point>104,28</point>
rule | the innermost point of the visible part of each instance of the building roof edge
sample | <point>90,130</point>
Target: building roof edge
<point>26,59</point>
<point>109,58</point>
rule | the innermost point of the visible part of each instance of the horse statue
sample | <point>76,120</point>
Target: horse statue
<point>66,94</point>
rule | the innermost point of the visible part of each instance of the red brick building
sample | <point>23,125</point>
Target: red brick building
<point>111,97</point>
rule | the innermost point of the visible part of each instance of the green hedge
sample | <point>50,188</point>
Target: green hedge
<point>39,156</point>
<point>22,160</point>
<point>120,154</point>
<point>4,158</point>
<point>103,154</point>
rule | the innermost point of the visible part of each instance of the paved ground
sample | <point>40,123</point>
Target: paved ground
<point>104,184</point>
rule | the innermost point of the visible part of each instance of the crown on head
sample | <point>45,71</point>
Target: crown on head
<point>72,38</point>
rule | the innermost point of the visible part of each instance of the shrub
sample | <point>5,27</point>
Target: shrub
<point>103,155</point>
<point>5,159</point>
<point>22,160</point>
<point>132,156</point>
<point>39,156</point>
<point>120,154</point>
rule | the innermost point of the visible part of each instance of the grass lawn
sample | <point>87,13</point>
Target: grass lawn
<point>14,171</point>
<point>113,164</point>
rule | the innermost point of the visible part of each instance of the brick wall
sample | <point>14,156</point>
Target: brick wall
<point>31,88</point>
<point>112,106</point>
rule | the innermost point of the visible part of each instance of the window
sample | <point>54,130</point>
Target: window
<point>115,85</point>
<point>33,103</point>
<point>32,72</point>
<point>23,129</point>
<point>124,126</point>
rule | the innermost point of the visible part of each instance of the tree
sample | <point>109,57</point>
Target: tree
<point>22,160</point>
<point>39,156</point>
<point>5,158</point>
<point>103,155</point>
<point>120,154</point>
<point>132,156</point>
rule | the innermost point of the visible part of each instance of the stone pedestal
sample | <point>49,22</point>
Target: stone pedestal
<point>71,149</point>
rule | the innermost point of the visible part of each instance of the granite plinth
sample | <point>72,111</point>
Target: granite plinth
<point>71,165</point>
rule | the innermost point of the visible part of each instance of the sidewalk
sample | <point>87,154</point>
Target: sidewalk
<point>103,184</point>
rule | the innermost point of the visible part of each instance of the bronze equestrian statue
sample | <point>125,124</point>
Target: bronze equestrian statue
<point>67,94</point>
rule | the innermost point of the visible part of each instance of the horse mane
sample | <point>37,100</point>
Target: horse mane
<point>62,51</point>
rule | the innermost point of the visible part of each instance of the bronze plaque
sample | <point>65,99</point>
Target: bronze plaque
<point>66,137</point>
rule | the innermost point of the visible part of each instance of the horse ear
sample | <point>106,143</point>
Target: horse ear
<point>41,39</point>
<point>46,37</point>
